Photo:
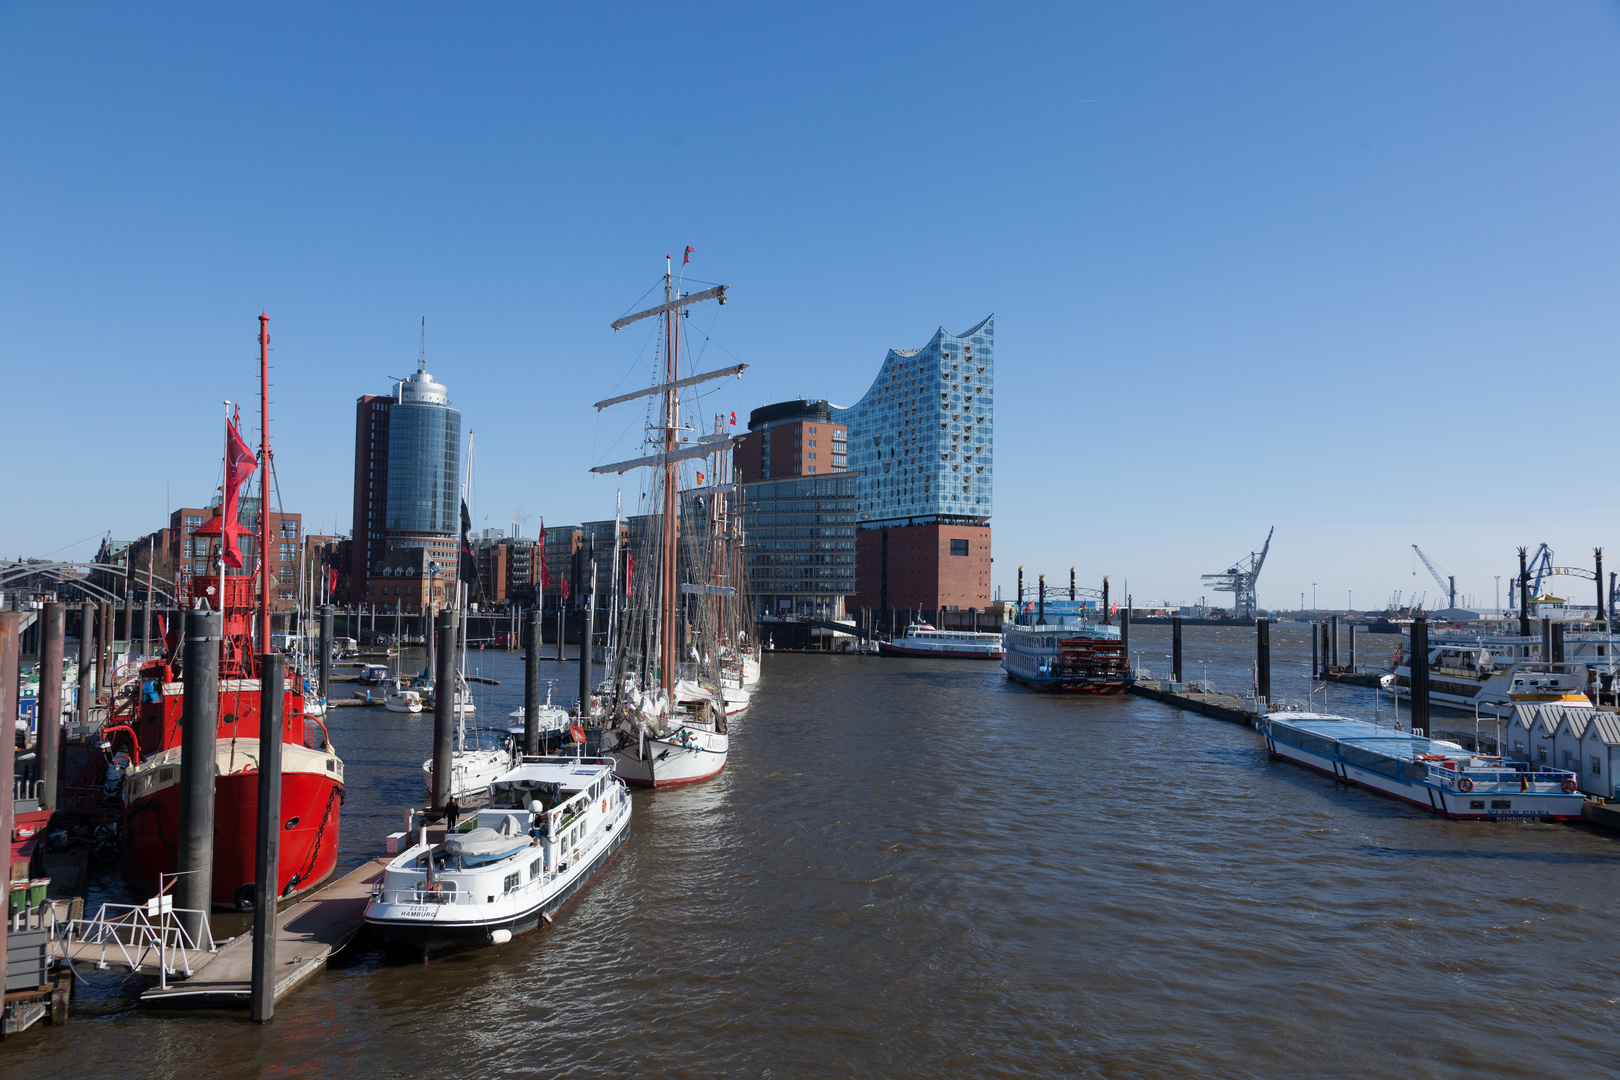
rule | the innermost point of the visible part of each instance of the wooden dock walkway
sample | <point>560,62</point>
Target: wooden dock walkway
<point>307,933</point>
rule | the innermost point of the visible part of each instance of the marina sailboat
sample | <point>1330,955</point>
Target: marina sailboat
<point>664,722</point>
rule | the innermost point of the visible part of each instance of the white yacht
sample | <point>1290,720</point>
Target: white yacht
<point>1493,672</point>
<point>400,698</point>
<point>553,824</point>
<point>921,639</point>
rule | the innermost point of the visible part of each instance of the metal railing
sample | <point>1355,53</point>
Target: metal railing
<point>126,934</point>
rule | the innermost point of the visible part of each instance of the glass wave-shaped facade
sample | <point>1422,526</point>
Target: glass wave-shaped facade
<point>424,469</point>
<point>923,436</point>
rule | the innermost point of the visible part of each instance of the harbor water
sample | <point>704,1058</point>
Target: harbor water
<point>917,869</point>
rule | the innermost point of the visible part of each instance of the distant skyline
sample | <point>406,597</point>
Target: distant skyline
<point>1348,271</point>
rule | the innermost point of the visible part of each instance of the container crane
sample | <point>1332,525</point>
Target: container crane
<point>1240,579</point>
<point>1448,584</point>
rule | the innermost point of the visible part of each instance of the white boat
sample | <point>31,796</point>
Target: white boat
<point>658,747</point>
<point>1434,774</point>
<point>375,675</point>
<point>553,824</point>
<point>401,699</point>
<point>921,639</point>
<point>1493,672</point>
<point>472,770</point>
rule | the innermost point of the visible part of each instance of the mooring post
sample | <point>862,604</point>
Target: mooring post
<point>562,630</point>
<point>1041,619</point>
<point>1420,675</point>
<point>87,661</point>
<point>267,848</point>
<point>1316,644</point>
<point>1350,638</point>
<point>444,703</point>
<point>1558,643</point>
<point>51,644</point>
<point>328,615</point>
<point>1546,641</point>
<point>1597,553</point>
<point>106,613</point>
<point>199,734</point>
<point>1106,617</point>
<point>531,685</point>
<point>10,690</point>
<point>587,634</point>
<point>1125,634</point>
<point>1262,659</point>
<point>1020,586</point>
<point>1074,593</point>
<point>1175,648</point>
<point>1333,642</point>
<point>1524,593</point>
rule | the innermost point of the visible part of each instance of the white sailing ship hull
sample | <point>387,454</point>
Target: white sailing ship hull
<point>688,756</point>
<point>471,772</point>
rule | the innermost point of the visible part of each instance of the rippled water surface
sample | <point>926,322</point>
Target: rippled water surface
<point>915,868</point>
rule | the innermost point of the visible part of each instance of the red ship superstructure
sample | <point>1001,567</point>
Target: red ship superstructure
<point>147,723</point>
<point>311,773</point>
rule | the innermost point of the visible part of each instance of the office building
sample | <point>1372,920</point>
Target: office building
<point>407,483</point>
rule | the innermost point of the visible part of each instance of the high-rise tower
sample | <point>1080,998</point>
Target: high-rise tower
<point>407,476</point>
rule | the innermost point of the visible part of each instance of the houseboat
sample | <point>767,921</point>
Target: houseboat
<point>551,827</point>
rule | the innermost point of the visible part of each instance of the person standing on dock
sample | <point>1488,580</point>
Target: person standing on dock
<point>452,811</point>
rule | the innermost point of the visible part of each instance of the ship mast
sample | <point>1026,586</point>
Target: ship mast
<point>666,637</point>
<point>264,483</point>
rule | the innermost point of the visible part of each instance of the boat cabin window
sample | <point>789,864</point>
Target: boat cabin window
<point>512,882</point>
<point>534,869</point>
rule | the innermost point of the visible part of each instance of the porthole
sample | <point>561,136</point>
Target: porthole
<point>292,823</point>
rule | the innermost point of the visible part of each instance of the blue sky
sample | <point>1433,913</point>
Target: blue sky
<point>1346,269</point>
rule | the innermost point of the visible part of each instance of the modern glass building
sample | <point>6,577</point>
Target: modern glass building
<point>799,543</point>
<point>923,436</point>
<point>424,460</point>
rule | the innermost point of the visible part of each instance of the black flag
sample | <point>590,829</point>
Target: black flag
<point>469,563</point>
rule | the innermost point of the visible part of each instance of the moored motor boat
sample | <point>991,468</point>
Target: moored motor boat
<point>553,824</point>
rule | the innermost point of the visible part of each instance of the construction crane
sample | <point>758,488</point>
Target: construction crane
<point>1448,584</point>
<point>1240,579</point>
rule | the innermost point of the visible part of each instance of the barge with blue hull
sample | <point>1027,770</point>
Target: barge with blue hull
<point>1436,775</point>
<point>551,827</point>
<point>1056,646</point>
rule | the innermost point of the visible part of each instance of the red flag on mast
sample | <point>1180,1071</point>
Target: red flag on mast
<point>540,546</point>
<point>629,572</point>
<point>565,586</point>
<point>688,256</point>
<point>239,465</point>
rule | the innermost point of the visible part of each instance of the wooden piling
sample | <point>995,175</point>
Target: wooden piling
<point>1420,675</point>
<point>1175,648</point>
<point>10,689</point>
<point>328,615</point>
<point>49,710</point>
<point>87,661</point>
<point>267,840</point>
<point>199,737</point>
<point>444,700</point>
<point>1262,658</point>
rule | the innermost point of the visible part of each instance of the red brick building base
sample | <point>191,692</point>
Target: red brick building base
<point>924,567</point>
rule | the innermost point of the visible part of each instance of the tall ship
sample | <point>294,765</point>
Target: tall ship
<point>144,726</point>
<point>922,640</point>
<point>1432,774</point>
<point>1055,645</point>
<point>663,718</point>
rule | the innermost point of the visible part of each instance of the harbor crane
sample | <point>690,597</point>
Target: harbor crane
<point>1448,584</point>
<point>1240,579</point>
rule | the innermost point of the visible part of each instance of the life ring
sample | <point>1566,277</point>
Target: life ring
<point>1569,787</point>
<point>1465,784</point>
<point>604,806</point>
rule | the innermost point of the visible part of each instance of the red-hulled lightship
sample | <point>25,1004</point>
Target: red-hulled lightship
<point>312,774</point>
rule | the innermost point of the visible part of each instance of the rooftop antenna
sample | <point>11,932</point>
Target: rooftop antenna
<point>421,354</point>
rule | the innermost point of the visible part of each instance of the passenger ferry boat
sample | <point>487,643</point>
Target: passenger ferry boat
<point>1497,671</point>
<point>1434,774</point>
<point>921,639</point>
<point>1055,646</point>
<point>551,827</point>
